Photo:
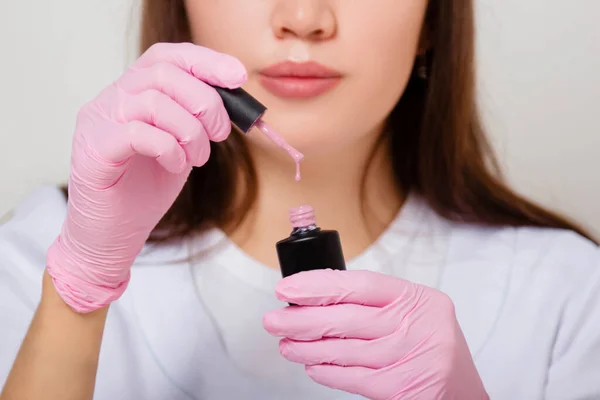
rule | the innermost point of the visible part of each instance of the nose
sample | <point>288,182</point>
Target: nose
<point>304,19</point>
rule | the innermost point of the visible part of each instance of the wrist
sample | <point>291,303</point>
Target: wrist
<point>52,302</point>
<point>85,283</point>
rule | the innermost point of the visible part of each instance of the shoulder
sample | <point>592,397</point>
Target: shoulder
<point>505,276</point>
<point>561,254</point>
<point>524,271</point>
<point>486,254</point>
<point>517,252</point>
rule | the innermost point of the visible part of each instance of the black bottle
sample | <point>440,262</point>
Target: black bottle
<point>309,247</point>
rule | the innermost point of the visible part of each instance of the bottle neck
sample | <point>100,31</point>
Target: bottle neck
<point>301,230</point>
<point>302,220</point>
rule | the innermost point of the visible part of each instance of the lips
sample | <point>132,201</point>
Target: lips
<point>299,80</point>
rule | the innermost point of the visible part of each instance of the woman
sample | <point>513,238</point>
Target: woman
<point>456,287</point>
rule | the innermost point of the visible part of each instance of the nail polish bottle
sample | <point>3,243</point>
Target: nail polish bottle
<point>309,247</point>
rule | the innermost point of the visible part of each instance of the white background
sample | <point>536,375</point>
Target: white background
<point>539,85</point>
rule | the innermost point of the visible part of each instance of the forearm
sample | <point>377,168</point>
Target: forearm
<point>58,358</point>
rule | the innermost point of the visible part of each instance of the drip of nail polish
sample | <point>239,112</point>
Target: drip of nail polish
<point>280,141</point>
<point>245,112</point>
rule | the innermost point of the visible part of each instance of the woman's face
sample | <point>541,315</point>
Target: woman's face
<point>364,49</point>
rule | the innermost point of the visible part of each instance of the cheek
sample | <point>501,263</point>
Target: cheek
<point>384,73</point>
<point>227,26</point>
<point>385,54</point>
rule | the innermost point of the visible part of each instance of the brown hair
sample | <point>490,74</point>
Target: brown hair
<point>438,147</point>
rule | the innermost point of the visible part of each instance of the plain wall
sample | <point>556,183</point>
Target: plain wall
<point>539,86</point>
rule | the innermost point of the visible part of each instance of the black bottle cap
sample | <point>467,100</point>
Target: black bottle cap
<point>243,109</point>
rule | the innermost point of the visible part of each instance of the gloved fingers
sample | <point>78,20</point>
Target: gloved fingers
<point>205,64</point>
<point>341,321</point>
<point>152,142</point>
<point>357,380</point>
<point>198,98</point>
<point>154,108</point>
<point>138,137</point>
<point>325,287</point>
<point>373,354</point>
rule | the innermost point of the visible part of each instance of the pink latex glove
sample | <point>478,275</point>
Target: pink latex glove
<point>374,335</point>
<point>133,149</point>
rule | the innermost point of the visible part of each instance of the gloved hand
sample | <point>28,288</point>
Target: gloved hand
<point>374,335</point>
<point>133,149</point>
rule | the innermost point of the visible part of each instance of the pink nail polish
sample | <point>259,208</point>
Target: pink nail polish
<point>246,112</point>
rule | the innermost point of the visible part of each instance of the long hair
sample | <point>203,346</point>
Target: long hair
<point>438,147</point>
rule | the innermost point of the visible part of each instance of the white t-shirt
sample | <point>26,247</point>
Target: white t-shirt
<point>189,325</point>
